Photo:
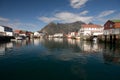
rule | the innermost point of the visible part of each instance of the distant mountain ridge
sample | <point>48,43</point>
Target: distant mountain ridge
<point>53,28</point>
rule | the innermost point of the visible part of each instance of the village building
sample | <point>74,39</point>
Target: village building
<point>38,34</point>
<point>23,34</point>
<point>6,31</point>
<point>58,35</point>
<point>50,36</point>
<point>90,30</point>
<point>72,34</point>
<point>20,33</point>
<point>112,30</point>
<point>112,27</point>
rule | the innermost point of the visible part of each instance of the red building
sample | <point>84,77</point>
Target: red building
<point>22,33</point>
<point>112,27</point>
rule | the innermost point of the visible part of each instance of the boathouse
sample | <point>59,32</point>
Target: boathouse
<point>112,30</point>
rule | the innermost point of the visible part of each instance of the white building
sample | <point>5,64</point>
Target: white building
<point>6,31</point>
<point>90,29</point>
<point>37,34</point>
<point>72,34</point>
<point>59,35</point>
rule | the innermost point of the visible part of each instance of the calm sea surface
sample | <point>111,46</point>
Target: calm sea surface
<point>59,59</point>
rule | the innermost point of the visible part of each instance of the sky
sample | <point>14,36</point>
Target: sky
<point>33,15</point>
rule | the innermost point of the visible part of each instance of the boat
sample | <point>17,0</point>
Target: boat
<point>95,39</point>
<point>20,37</point>
<point>77,37</point>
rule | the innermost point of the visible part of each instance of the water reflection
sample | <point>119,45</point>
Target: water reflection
<point>67,49</point>
<point>4,47</point>
<point>59,40</point>
<point>2,50</point>
<point>38,41</point>
<point>111,53</point>
<point>71,49</point>
<point>59,59</point>
<point>20,43</point>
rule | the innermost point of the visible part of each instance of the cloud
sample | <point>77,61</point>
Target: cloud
<point>84,13</point>
<point>77,3</point>
<point>19,25</point>
<point>104,16</point>
<point>67,17</point>
<point>71,17</point>
<point>3,19</point>
<point>46,19</point>
<point>106,13</point>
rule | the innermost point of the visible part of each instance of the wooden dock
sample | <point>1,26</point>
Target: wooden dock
<point>6,38</point>
<point>110,38</point>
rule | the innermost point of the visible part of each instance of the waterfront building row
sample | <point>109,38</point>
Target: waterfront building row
<point>110,30</point>
<point>85,30</point>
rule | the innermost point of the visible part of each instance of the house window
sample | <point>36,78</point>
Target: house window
<point>110,25</point>
<point>8,29</point>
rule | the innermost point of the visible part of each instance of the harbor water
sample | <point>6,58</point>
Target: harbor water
<point>59,59</point>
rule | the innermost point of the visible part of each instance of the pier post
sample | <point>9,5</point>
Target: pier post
<point>114,39</point>
<point>110,38</point>
<point>105,39</point>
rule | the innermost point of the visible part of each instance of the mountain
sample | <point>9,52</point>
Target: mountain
<point>53,28</point>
